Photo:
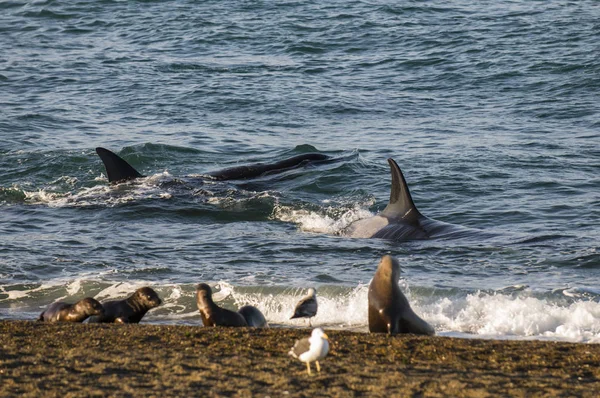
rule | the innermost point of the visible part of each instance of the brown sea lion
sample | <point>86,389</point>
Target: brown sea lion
<point>78,312</point>
<point>254,318</point>
<point>389,311</point>
<point>212,314</point>
<point>130,310</point>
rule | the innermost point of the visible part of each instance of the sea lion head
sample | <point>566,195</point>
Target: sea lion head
<point>389,268</point>
<point>203,295</point>
<point>89,307</point>
<point>147,297</point>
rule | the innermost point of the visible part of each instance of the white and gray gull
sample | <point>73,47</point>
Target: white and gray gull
<point>311,349</point>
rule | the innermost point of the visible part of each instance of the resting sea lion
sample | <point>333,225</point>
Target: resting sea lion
<point>130,310</point>
<point>389,311</point>
<point>212,314</point>
<point>254,318</point>
<point>78,312</point>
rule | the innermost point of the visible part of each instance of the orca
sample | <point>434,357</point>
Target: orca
<point>118,170</point>
<point>401,220</point>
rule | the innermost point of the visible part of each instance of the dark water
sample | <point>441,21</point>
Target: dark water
<point>491,110</point>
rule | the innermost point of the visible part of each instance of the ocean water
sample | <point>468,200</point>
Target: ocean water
<point>491,109</point>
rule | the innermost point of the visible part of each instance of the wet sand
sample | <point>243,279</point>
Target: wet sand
<point>38,359</point>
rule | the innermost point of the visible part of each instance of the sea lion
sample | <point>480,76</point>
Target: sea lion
<point>212,314</point>
<point>254,318</point>
<point>130,310</point>
<point>389,311</point>
<point>78,312</point>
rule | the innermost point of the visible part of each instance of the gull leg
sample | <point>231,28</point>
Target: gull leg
<point>318,367</point>
<point>310,322</point>
<point>308,368</point>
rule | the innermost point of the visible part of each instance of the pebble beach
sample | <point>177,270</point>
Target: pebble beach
<point>74,360</point>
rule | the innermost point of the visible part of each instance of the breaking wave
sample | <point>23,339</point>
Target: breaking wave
<point>520,313</point>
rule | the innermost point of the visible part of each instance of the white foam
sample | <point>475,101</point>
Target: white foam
<point>226,289</point>
<point>40,196</point>
<point>71,286</point>
<point>349,309</point>
<point>108,195</point>
<point>119,290</point>
<point>525,317</point>
<point>578,292</point>
<point>482,315</point>
<point>101,178</point>
<point>238,204</point>
<point>14,296</point>
<point>334,221</point>
<point>65,180</point>
<point>488,315</point>
<point>171,307</point>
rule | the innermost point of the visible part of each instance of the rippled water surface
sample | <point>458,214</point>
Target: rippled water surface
<point>490,109</point>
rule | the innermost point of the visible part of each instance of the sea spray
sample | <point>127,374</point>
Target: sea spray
<point>519,314</point>
<point>496,315</point>
<point>326,220</point>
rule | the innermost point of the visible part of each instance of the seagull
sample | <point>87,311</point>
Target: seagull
<point>307,306</point>
<point>311,349</point>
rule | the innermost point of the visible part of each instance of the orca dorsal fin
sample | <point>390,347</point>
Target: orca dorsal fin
<point>401,205</point>
<point>117,169</point>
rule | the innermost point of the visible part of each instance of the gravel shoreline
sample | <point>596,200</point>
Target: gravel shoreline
<point>38,359</point>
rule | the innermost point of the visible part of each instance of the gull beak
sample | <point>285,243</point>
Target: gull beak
<point>325,336</point>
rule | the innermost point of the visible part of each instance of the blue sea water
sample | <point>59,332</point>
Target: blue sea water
<point>491,109</point>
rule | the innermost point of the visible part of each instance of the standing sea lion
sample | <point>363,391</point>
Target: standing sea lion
<point>389,311</point>
<point>212,314</point>
<point>78,312</point>
<point>130,310</point>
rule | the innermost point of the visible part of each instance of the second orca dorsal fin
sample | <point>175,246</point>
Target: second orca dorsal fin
<point>401,205</point>
<point>117,169</point>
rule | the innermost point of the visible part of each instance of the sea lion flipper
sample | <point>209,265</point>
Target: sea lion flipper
<point>415,324</point>
<point>117,169</point>
<point>394,324</point>
<point>41,317</point>
<point>401,204</point>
